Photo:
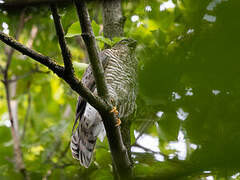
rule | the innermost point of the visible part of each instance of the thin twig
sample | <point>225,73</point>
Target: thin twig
<point>55,165</point>
<point>45,60</point>
<point>33,35</point>
<point>144,127</point>
<point>66,149</point>
<point>16,140</point>
<point>27,113</point>
<point>10,54</point>
<point>27,74</point>
<point>1,69</point>
<point>62,41</point>
<point>118,150</point>
<point>149,150</point>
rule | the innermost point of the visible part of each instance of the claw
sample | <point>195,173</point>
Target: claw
<point>118,122</point>
<point>115,111</point>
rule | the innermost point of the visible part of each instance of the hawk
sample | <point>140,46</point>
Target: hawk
<point>120,71</point>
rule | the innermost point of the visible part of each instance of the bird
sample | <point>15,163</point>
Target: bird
<point>120,72</point>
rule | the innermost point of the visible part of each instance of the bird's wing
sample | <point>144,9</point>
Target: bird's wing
<point>88,119</point>
<point>89,82</point>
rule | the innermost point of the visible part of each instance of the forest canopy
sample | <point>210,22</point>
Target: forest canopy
<point>186,125</point>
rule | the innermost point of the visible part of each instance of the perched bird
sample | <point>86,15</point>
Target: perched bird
<point>120,71</point>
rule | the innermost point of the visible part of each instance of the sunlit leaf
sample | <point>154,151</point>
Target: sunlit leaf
<point>74,30</point>
<point>104,40</point>
<point>79,68</point>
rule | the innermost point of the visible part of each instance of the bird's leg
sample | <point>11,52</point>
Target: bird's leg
<point>115,111</point>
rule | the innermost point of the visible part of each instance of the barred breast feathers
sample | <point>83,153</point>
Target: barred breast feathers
<point>120,67</point>
<point>120,75</point>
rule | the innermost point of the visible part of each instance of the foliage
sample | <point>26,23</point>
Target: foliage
<point>187,121</point>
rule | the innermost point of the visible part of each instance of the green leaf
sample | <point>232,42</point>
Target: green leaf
<point>117,39</point>
<point>79,68</point>
<point>96,28</point>
<point>74,30</point>
<point>105,40</point>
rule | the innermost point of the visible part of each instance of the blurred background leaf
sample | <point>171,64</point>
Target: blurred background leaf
<point>187,121</point>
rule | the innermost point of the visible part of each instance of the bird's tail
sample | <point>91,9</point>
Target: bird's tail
<point>82,144</point>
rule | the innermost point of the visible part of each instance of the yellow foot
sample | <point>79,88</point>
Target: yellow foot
<point>115,111</point>
<point>118,122</point>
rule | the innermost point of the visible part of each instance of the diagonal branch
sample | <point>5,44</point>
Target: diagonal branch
<point>74,83</point>
<point>10,54</point>
<point>62,42</point>
<point>47,61</point>
<point>151,151</point>
<point>118,150</point>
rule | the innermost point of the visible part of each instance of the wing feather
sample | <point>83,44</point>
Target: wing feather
<point>84,137</point>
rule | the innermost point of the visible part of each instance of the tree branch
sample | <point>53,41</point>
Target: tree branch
<point>33,35</point>
<point>91,45</point>
<point>9,55</point>
<point>47,61</point>
<point>144,128</point>
<point>62,42</point>
<point>74,83</point>
<point>113,19</point>
<point>113,23</point>
<point>118,150</point>
<point>1,70</point>
<point>121,161</point>
<point>36,70</point>
<point>149,150</point>
<point>14,130</point>
<point>29,100</point>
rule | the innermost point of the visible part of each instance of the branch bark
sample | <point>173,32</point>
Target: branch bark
<point>89,39</point>
<point>68,67</point>
<point>113,26</point>
<point>74,83</point>
<point>113,19</point>
<point>121,161</point>
<point>118,150</point>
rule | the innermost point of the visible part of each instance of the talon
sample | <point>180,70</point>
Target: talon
<point>118,122</point>
<point>115,111</point>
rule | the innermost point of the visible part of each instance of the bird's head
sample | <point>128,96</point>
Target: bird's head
<point>129,42</point>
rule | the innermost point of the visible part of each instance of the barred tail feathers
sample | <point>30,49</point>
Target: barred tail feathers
<point>84,138</point>
<point>82,145</point>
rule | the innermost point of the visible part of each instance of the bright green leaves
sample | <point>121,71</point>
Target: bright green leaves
<point>104,40</point>
<point>79,68</point>
<point>74,30</point>
<point>188,99</point>
<point>193,67</point>
<point>96,28</point>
